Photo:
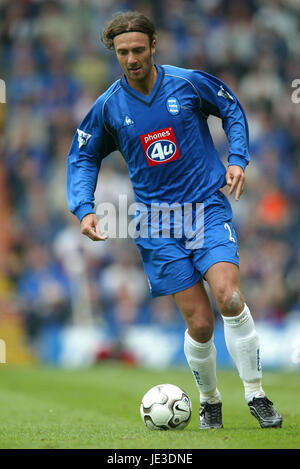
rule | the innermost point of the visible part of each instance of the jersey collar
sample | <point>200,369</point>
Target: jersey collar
<point>148,100</point>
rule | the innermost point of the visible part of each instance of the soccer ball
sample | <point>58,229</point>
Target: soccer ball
<point>166,407</point>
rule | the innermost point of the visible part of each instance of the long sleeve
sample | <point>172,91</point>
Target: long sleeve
<point>90,145</point>
<point>217,99</point>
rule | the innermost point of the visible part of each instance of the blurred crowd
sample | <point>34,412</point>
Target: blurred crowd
<point>54,67</point>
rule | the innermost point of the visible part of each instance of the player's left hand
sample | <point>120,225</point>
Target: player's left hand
<point>235,178</point>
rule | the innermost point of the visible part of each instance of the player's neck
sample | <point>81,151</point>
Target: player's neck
<point>144,86</point>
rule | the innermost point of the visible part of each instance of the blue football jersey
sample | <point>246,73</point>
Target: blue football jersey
<point>164,138</point>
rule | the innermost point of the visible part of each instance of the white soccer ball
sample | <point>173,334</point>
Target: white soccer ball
<point>166,407</point>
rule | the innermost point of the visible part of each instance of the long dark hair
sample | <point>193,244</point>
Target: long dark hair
<point>131,21</point>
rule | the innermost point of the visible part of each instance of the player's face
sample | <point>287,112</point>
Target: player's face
<point>135,55</point>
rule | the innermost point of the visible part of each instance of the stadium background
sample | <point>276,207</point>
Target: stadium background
<point>67,300</point>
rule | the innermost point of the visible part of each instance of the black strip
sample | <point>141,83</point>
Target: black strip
<point>207,108</point>
<point>140,99</point>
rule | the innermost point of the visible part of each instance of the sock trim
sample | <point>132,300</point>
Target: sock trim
<point>198,345</point>
<point>237,321</point>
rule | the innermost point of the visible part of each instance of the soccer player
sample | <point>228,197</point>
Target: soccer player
<point>156,116</point>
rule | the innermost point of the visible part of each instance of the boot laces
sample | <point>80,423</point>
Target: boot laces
<point>212,412</point>
<point>265,406</point>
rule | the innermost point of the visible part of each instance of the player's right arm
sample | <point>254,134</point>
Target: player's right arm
<point>90,145</point>
<point>90,228</point>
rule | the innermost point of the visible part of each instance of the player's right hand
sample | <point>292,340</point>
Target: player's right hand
<point>90,228</point>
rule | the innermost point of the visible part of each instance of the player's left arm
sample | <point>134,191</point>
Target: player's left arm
<point>217,99</point>
<point>235,178</point>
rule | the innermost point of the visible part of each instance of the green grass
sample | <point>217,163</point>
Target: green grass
<point>98,407</point>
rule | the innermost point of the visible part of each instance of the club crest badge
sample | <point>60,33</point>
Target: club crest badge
<point>173,106</point>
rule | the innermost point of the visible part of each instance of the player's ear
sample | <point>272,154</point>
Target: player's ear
<point>153,47</point>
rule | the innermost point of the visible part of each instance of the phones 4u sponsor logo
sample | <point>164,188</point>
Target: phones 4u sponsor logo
<point>160,146</point>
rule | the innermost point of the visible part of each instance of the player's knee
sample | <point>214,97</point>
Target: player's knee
<point>230,301</point>
<point>200,330</point>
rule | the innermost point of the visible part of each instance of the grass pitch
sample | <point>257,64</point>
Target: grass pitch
<point>98,407</point>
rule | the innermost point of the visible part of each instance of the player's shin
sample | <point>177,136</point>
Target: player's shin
<point>243,345</point>
<point>201,358</point>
